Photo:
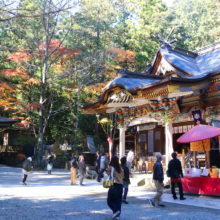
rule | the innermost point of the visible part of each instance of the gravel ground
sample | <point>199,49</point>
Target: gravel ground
<point>52,197</point>
<point>94,207</point>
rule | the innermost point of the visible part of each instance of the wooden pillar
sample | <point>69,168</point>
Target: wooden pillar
<point>194,159</point>
<point>208,159</point>
<point>183,156</point>
<point>135,153</point>
<point>122,143</point>
<point>169,141</point>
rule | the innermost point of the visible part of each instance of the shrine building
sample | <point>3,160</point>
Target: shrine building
<point>180,88</point>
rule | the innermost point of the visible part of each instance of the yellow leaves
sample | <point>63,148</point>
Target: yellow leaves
<point>105,121</point>
<point>58,68</point>
<point>32,81</point>
<point>94,91</point>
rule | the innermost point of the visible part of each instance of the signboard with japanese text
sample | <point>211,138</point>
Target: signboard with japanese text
<point>198,146</point>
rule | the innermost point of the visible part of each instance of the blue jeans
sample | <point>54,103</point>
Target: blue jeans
<point>114,199</point>
<point>100,174</point>
<point>97,169</point>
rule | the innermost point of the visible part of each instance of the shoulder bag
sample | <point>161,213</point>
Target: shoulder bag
<point>109,180</point>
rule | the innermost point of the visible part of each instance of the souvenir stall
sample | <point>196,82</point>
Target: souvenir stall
<point>203,179</point>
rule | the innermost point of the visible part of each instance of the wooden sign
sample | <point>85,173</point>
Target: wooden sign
<point>197,146</point>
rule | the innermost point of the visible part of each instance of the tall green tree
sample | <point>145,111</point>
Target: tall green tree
<point>196,22</point>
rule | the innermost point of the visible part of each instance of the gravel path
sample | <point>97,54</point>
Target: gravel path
<point>94,207</point>
<point>52,197</point>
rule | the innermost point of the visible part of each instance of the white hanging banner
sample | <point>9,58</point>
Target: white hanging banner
<point>185,129</point>
<point>176,130</point>
<point>180,129</point>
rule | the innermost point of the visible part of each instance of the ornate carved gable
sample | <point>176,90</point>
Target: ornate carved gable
<point>163,68</point>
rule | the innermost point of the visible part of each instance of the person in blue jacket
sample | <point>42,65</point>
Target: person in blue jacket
<point>158,178</point>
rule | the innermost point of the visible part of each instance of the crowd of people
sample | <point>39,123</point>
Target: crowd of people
<point>117,194</point>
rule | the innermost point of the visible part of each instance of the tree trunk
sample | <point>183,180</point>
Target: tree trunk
<point>77,119</point>
<point>42,95</point>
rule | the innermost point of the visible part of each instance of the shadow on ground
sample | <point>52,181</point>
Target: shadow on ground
<point>93,206</point>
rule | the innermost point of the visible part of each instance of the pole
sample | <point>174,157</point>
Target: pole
<point>206,163</point>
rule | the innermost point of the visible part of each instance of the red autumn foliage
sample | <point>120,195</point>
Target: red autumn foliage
<point>21,156</point>
<point>5,86</point>
<point>14,72</point>
<point>19,56</point>
<point>58,50</point>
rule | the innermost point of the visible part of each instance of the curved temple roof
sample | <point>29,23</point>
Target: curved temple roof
<point>196,64</point>
<point>195,67</point>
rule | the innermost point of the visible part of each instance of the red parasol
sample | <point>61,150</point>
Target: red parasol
<point>199,133</point>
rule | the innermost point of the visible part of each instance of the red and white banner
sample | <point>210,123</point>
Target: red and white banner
<point>110,148</point>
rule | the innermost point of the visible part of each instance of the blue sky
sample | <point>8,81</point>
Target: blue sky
<point>169,2</point>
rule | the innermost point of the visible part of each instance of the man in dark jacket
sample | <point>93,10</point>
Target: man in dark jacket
<point>126,180</point>
<point>158,180</point>
<point>73,169</point>
<point>175,173</point>
<point>103,166</point>
<point>97,166</point>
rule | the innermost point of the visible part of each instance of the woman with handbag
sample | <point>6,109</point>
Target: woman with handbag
<point>114,199</point>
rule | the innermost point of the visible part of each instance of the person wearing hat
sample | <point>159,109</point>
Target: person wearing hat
<point>103,166</point>
<point>158,180</point>
<point>73,169</point>
<point>27,165</point>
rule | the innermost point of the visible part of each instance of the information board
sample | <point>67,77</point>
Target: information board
<point>198,146</point>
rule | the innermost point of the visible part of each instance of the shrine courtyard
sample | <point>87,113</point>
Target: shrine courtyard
<point>52,197</point>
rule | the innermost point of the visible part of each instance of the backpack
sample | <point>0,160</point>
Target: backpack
<point>27,166</point>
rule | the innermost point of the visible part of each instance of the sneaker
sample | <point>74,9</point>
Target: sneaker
<point>175,197</point>
<point>162,205</point>
<point>82,185</point>
<point>125,202</point>
<point>151,202</point>
<point>183,198</point>
<point>115,215</point>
